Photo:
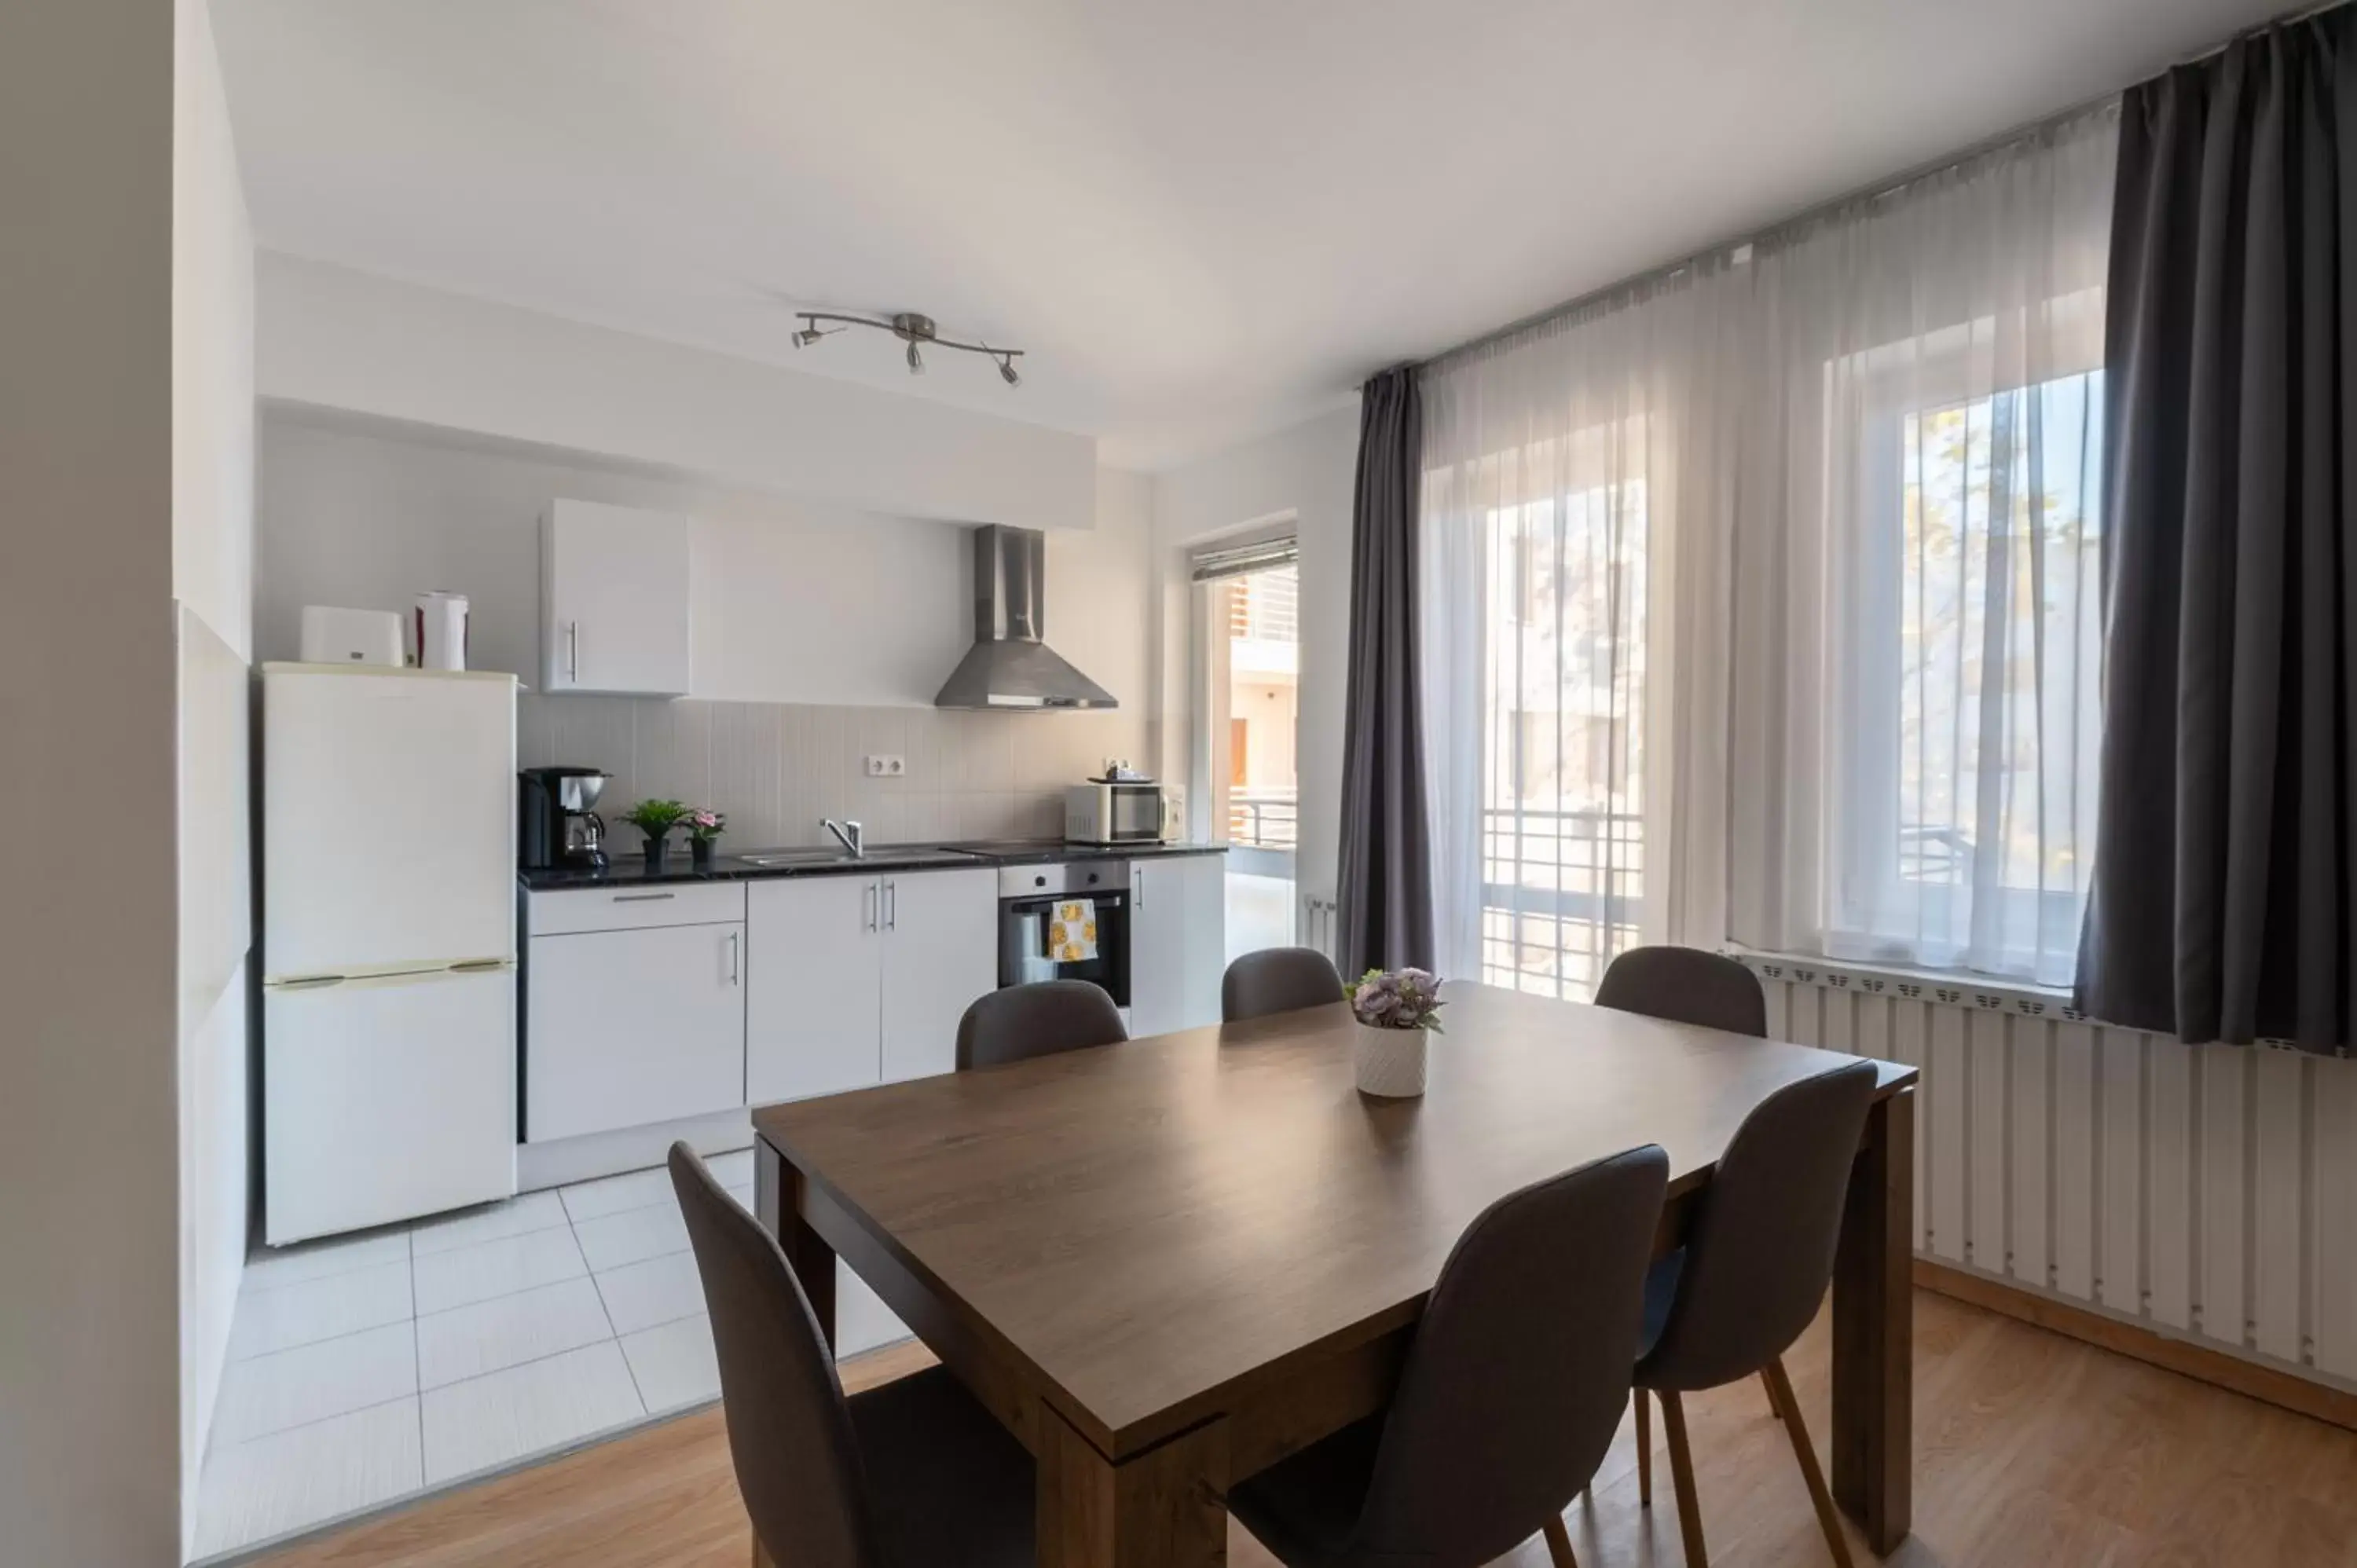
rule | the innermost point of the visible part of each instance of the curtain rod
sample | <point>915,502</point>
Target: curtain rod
<point>1888,186</point>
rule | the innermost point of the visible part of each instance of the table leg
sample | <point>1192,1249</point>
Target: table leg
<point>1165,1508</point>
<point>777,1203</point>
<point>1873,1330</point>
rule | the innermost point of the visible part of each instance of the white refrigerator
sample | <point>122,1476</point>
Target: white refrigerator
<point>388,944</point>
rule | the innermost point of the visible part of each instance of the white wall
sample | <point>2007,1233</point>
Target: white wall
<point>795,601</point>
<point>336,339</point>
<point>212,579</point>
<point>1307,473</point>
<point>88,1137</point>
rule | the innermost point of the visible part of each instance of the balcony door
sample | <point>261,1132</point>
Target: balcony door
<point>1250,652</point>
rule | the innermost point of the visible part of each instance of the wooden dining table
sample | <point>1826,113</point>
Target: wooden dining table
<point>1165,1265</point>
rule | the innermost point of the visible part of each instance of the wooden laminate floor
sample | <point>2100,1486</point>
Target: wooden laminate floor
<point>2031,1449</point>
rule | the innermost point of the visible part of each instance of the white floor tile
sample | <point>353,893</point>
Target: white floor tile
<point>733,1169</point>
<point>271,1267</point>
<point>464,1275</point>
<point>508,1330</point>
<point>253,1491</point>
<point>631,1236</point>
<point>511,1216</point>
<point>674,1364</point>
<point>313,1310</point>
<point>660,1290</point>
<point>263,1394</point>
<point>616,1194</point>
<point>491,1420</point>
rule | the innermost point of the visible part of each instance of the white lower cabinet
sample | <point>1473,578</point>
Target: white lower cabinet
<point>811,1021</point>
<point>632,1027</point>
<point>941,952</point>
<point>1177,942</point>
<point>861,980</point>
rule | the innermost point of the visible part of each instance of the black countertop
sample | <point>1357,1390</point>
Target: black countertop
<point>629,869</point>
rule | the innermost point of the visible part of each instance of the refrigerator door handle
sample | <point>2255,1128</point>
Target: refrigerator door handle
<point>309,983</point>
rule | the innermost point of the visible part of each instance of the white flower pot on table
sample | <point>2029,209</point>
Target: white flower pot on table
<point>1390,1062</point>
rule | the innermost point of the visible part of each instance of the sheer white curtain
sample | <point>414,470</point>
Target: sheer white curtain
<point>1559,465</point>
<point>1763,602</point>
<point>1917,606</point>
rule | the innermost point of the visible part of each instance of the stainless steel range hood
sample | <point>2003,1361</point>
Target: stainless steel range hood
<point>1009,666</point>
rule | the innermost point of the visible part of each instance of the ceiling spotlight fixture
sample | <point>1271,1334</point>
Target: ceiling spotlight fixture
<point>912,330</point>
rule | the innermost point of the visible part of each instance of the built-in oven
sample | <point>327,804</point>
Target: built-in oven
<point>1065,921</point>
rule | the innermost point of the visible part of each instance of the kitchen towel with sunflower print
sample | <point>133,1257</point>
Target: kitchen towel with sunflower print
<point>1072,932</point>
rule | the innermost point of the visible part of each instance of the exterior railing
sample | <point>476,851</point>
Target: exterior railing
<point>1264,818</point>
<point>1266,608</point>
<point>1562,892</point>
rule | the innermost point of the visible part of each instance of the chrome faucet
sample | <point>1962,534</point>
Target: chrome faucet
<point>849,834</point>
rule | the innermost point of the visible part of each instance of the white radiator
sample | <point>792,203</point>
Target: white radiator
<point>2206,1192</point>
<point>1316,923</point>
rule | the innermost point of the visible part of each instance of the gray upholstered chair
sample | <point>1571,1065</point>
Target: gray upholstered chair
<point>1278,980</point>
<point>1759,1255</point>
<point>1037,1020</point>
<point>1509,1399</point>
<point>910,1475</point>
<point>1685,985</point>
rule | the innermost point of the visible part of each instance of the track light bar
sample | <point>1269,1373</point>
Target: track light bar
<point>910,329</point>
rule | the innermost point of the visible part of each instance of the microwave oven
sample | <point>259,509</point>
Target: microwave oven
<point>1121,811</point>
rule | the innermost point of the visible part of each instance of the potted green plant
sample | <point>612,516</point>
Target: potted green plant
<point>1397,1010</point>
<point>705,827</point>
<point>656,818</point>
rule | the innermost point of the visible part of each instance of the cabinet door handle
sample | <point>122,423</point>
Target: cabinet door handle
<point>1137,880</point>
<point>868,901</point>
<point>643,897</point>
<point>733,958</point>
<point>891,905</point>
<point>572,651</point>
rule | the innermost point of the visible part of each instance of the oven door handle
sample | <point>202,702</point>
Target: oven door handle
<point>1118,898</point>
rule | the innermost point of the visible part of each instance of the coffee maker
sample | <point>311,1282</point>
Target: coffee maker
<point>556,826</point>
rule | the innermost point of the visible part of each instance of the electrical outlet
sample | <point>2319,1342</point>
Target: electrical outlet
<point>887,767</point>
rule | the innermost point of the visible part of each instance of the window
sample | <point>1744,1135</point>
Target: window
<point>1974,760</point>
<point>1563,724</point>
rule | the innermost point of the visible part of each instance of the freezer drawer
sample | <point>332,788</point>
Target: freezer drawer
<point>386,1098</point>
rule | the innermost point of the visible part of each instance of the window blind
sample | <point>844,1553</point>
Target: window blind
<point>1226,560</point>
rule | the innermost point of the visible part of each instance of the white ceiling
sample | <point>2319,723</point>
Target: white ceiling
<point>1205,218</point>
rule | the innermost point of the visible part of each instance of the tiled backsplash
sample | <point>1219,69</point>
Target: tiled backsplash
<point>777,768</point>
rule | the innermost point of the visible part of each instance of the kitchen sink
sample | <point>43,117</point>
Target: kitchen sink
<point>882,855</point>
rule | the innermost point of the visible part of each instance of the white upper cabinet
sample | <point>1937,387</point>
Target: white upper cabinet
<point>941,952</point>
<point>614,600</point>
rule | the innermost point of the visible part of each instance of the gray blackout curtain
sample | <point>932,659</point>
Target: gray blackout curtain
<point>2219,907</point>
<point>1385,892</point>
